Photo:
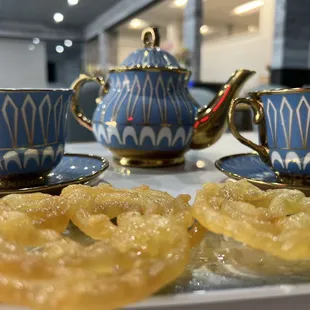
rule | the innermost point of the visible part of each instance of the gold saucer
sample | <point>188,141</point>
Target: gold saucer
<point>250,167</point>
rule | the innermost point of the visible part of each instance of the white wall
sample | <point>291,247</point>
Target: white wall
<point>20,67</point>
<point>91,54</point>
<point>126,44</point>
<point>250,51</point>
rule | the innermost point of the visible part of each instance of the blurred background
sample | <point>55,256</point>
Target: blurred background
<point>47,43</point>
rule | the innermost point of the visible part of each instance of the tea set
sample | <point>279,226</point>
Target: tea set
<point>32,141</point>
<point>147,118</point>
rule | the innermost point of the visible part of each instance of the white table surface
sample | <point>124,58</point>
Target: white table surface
<point>187,179</point>
<point>176,180</point>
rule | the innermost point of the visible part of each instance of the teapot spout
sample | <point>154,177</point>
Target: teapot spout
<point>211,120</point>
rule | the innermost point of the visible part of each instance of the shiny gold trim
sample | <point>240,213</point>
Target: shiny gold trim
<point>151,154</point>
<point>148,163</point>
<point>59,186</point>
<point>149,69</point>
<point>75,105</point>
<point>261,184</point>
<point>155,37</point>
<point>259,119</point>
<point>280,91</point>
<point>33,90</point>
<point>211,120</point>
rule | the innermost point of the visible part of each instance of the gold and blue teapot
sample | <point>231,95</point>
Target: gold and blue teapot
<point>146,115</point>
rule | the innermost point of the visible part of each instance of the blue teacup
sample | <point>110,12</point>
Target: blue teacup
<point>32,131</point>
<point>284,119</point>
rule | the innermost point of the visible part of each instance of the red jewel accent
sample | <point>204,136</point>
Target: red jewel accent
<point>204,119</point>
<point>223,98</point>
<point>130,118</point>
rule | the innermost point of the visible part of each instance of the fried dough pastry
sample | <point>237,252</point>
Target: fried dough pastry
<point>22,215</point>
<point>275,221</point>
<point>145,253</point>
<point>91,208</point>
<point>44,210</point>
<point>18,227</point>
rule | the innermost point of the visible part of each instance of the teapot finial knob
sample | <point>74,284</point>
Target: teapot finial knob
<point>150,37</point>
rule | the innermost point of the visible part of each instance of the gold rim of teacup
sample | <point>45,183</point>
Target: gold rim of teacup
<point>6,90</point>
<point>280,91</point>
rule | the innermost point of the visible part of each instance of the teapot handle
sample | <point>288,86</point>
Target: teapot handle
<point>75,105</point>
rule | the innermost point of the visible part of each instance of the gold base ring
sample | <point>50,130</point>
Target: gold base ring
<point>149,163</point>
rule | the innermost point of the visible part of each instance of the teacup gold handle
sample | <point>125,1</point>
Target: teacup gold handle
<point>259,119</point>
<point>75,106</point>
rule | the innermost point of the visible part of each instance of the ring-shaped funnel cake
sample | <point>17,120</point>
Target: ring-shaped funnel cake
<point>91,208</point>
<point>147,248</point>
<point>275,221</point>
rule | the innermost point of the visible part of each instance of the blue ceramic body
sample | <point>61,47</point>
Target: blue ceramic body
<point>287,117</point>
<point>146,111</point>
<point>32,130</point>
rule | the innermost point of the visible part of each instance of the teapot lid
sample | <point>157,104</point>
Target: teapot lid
<point>151,57</point>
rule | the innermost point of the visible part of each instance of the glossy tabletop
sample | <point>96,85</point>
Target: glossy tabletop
<point>198,168</point>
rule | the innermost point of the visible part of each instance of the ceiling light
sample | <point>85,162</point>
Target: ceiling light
<point>59,49</point>
<point>204,29</point>
<point>248,8</point>
<point>31,47</point>
<point>137,23</point>
<point>68,43</point>
<point>179,3</point>
<point>35,40</point>
<point>58,17</point>
<point>73,2</point>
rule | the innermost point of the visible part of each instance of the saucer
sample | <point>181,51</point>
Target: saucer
<point>250,167</point>
<point>73,169</point>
